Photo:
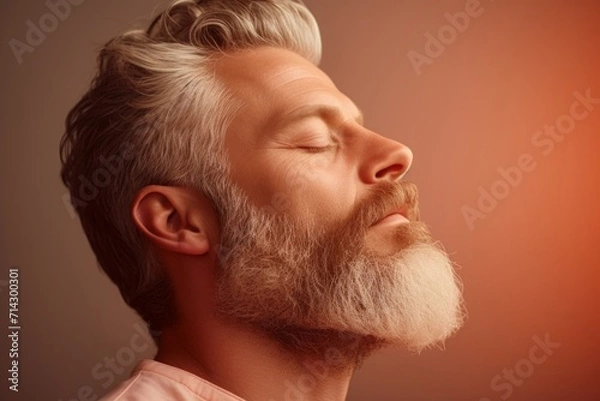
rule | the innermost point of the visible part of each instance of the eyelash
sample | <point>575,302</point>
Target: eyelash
<point>317,149</point>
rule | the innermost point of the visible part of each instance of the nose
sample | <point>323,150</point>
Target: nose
<point>384,159</point>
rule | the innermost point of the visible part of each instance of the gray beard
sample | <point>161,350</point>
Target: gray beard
<point>317,289</point>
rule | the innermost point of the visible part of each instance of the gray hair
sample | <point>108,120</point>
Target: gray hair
<point>156,114</point>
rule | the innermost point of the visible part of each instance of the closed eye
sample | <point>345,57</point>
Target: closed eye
<point>317,149</point>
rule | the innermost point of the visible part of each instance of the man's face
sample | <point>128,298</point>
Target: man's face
<point>296,129</point>
<point>307,252</point>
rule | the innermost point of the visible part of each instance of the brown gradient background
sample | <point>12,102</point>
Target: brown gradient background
<point>529,268</point>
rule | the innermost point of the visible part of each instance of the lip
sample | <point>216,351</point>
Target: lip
<point>397,216</point>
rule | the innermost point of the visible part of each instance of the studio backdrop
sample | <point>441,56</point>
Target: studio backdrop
<point>499,102</point>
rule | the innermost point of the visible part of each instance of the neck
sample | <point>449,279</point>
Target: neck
<point>258,366</point>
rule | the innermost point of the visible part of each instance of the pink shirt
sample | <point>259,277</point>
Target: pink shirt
<point>152,380</point>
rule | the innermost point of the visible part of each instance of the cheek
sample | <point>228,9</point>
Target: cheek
<point>309,187</point>
<point>320,193</point>
<point>328,202</point>
<point>269,183</point>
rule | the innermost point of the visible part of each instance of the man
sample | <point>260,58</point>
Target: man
<point>232,193</point>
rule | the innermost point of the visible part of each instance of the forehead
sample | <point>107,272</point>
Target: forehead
<point>272,83</point>
<point>267,69</point>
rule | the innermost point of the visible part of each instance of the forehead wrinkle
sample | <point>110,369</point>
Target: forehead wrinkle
<point>329,113</point>
<point>291,74</point>
<point>273,84</point>
<point>323,100</point>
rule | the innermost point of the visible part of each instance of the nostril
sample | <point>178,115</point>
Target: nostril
<point>394,170</point>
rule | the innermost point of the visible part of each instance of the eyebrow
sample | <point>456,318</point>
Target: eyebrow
<point>326,112</point>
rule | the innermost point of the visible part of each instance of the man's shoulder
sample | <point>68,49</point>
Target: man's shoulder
<point>152,380</point>
<point>126,391</point>
<point>146,385</point>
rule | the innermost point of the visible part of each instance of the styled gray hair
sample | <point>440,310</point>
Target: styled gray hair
<point>157,114</point>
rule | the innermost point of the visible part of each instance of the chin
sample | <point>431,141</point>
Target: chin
<point>412,299</point>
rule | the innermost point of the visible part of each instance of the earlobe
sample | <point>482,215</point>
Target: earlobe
<point>172,219</point>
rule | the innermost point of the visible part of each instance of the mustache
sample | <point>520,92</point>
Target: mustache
<point>384,198</point>
<point>380,200</point>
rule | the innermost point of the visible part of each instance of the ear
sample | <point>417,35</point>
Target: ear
<point>173,218</point>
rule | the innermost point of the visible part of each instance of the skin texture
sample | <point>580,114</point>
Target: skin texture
<point>268,146</point>
<point>297,147</point>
